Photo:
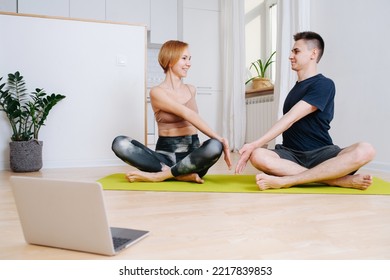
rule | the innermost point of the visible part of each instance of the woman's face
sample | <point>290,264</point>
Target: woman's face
<point>183,64</point>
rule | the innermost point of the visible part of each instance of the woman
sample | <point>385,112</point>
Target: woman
<point>178,152</point>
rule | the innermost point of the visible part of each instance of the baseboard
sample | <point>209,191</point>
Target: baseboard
<point>71,164</point>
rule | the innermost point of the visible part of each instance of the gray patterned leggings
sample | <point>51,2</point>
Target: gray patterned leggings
<point>183,154</point>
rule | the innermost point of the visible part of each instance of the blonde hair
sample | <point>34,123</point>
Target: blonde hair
<point>170,53</point>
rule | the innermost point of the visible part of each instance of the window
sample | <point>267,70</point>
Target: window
<point>260,32</point>
<point>273,23</point>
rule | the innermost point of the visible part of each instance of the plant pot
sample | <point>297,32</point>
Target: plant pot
<point>262,83</point>
<point>26,156</point>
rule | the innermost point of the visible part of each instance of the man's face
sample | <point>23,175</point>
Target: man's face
<point>301,55</point>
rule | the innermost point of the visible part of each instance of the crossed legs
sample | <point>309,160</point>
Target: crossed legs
<point>155,167</point>
<point>281,173</point>
<point>142,176</point>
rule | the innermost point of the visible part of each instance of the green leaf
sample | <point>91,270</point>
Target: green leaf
<point>261,67</point>
<point>26,112</point>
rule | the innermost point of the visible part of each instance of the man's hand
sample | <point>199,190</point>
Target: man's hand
<point>245,153</point>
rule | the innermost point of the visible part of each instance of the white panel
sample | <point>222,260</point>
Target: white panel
<point>44,7</point>
<point>163,21</point>
<point>8,6</point>
<point>104,98</point>
<point>88,9</point>
<point>201,32</point>
<point>131,11</point>
<point>202,4</point>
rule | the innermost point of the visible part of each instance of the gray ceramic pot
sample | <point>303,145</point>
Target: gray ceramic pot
<point>26,156</point>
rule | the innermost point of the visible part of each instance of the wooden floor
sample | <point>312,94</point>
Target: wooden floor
<point>222,225</point>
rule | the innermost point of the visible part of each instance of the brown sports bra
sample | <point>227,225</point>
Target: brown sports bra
<point>167,120</point>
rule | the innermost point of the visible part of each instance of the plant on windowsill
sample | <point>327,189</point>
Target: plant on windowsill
<point>260,81</point>
<point>26,113</point>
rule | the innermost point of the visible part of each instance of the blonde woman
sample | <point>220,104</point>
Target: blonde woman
<point>178,153</point>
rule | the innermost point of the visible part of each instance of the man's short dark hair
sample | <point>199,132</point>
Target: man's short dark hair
<point>313,38</point>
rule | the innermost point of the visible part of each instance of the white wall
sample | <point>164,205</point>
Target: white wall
<point>81,60</point>
<point>357,58</point>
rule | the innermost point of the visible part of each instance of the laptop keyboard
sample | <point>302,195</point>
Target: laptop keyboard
<point>118,241</point>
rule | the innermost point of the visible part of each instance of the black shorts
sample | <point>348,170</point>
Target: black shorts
<point>308,159</point>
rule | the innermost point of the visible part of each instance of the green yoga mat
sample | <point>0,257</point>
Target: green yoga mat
<point>233,184</point>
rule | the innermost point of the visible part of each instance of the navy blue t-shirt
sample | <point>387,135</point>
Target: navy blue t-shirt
<point>312,131</point>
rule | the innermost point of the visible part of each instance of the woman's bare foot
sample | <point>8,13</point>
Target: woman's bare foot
<point>193,177</point>
<point>141,176</point>
<point>357,181</point>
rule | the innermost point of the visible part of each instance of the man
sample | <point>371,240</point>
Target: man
<point>307,154</point>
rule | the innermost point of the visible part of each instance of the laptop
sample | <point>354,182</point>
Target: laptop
<point>69,215</point>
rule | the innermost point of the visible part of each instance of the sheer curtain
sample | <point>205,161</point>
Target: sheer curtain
<point>293,17</point>
<point>233,72</point>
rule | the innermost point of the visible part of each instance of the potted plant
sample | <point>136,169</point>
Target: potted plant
<point>27,113</point>
<point>260,80</point>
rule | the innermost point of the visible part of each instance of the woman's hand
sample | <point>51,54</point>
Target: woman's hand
<point>226,151</point>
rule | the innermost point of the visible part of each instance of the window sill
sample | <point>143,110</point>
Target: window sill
<point>258,92</point>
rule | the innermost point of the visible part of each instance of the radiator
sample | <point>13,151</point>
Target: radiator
<point>260,115</point>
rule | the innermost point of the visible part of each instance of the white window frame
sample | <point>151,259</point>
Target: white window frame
<point>271,34</point>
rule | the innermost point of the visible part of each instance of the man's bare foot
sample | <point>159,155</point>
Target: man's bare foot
<point>357,181</point>
<point>265,182</point>
<point>193,177</point>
